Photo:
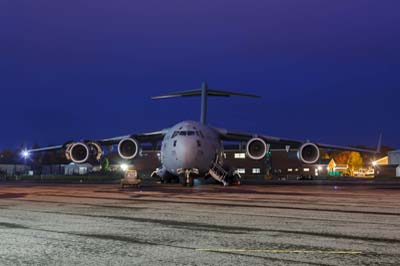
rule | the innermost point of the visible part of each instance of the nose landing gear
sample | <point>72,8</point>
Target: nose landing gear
<point>186,177</point>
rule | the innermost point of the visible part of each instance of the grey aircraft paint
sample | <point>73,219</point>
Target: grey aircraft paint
<point>190,145</point>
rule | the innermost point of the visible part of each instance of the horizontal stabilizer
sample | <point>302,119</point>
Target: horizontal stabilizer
<point>204,92</point>
<point>210,92</point>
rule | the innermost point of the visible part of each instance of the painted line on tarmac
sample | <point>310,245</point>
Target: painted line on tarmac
<point>337,252</point>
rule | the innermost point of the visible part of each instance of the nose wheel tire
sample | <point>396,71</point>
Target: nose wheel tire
<point>191,181</point>
<point>182,180</point>
<point>186,180</point>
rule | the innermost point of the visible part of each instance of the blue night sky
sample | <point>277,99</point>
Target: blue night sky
<point>327,70</point>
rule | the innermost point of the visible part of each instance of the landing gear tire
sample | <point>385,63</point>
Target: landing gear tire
<point>191,181</point>
<point>182,180</point>
<point>175,180</point>
<point>167,180</point>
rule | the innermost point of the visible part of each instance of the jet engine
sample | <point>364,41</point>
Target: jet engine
<point>77,152</point>
<point>128,148</point>
<point>80,152</point>
<point>256,148</point>
<point>95,150</point>
<point>308,153</point>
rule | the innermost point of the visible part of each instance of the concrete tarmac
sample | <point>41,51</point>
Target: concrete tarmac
<point>284,224</point>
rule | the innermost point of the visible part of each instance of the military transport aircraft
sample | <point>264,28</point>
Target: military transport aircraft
<point>192,149</point>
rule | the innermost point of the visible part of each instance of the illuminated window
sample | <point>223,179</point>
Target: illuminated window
<point>241,170</point>
<point>290,170</point>
<point>240,155</point>
<point>306,169</point>
<point>256,170</point>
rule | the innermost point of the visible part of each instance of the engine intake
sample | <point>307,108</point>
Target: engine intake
<point>256,149</point>
<point>128,148</point>
<point>78,152</point>
<point>308,153</point>
<point>95,150</point>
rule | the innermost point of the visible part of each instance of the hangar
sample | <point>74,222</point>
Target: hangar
<point>13,169</point>
<point>279,163</point>
<point>388,166</point>
<point>394,157</point>
<point>234,156</point>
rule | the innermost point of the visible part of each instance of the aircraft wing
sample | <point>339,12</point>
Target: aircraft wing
<point>143,138</point>
<point>149,137</point>
<point>278,143</point>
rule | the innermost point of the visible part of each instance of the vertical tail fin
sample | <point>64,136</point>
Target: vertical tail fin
<point>204,92</point>
<point>204,102</point>
<point>379,146</point>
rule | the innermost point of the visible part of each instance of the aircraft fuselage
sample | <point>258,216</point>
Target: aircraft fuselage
<point>190,146</point>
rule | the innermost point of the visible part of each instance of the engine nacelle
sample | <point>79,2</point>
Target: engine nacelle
<point>308,153</point>
<point>128,148</point>
<point>256,148</point>
<point>81,152</point>
<point>77,152</point>
<point>95,150</point>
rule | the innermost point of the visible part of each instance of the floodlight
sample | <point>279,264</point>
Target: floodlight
<point>25,154</point>
<point>124,167</point>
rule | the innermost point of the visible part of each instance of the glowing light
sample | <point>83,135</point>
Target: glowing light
<point>374,163</point>
<point>319,168</point>
<point>124,167</point>
<point>25,154</point>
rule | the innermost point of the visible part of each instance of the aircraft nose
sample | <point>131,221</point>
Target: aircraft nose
<point>187,152</point>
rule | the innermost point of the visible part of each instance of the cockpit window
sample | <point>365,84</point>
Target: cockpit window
<point>176,133</point>
<point>201,134</point>
<point>186,133</point>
